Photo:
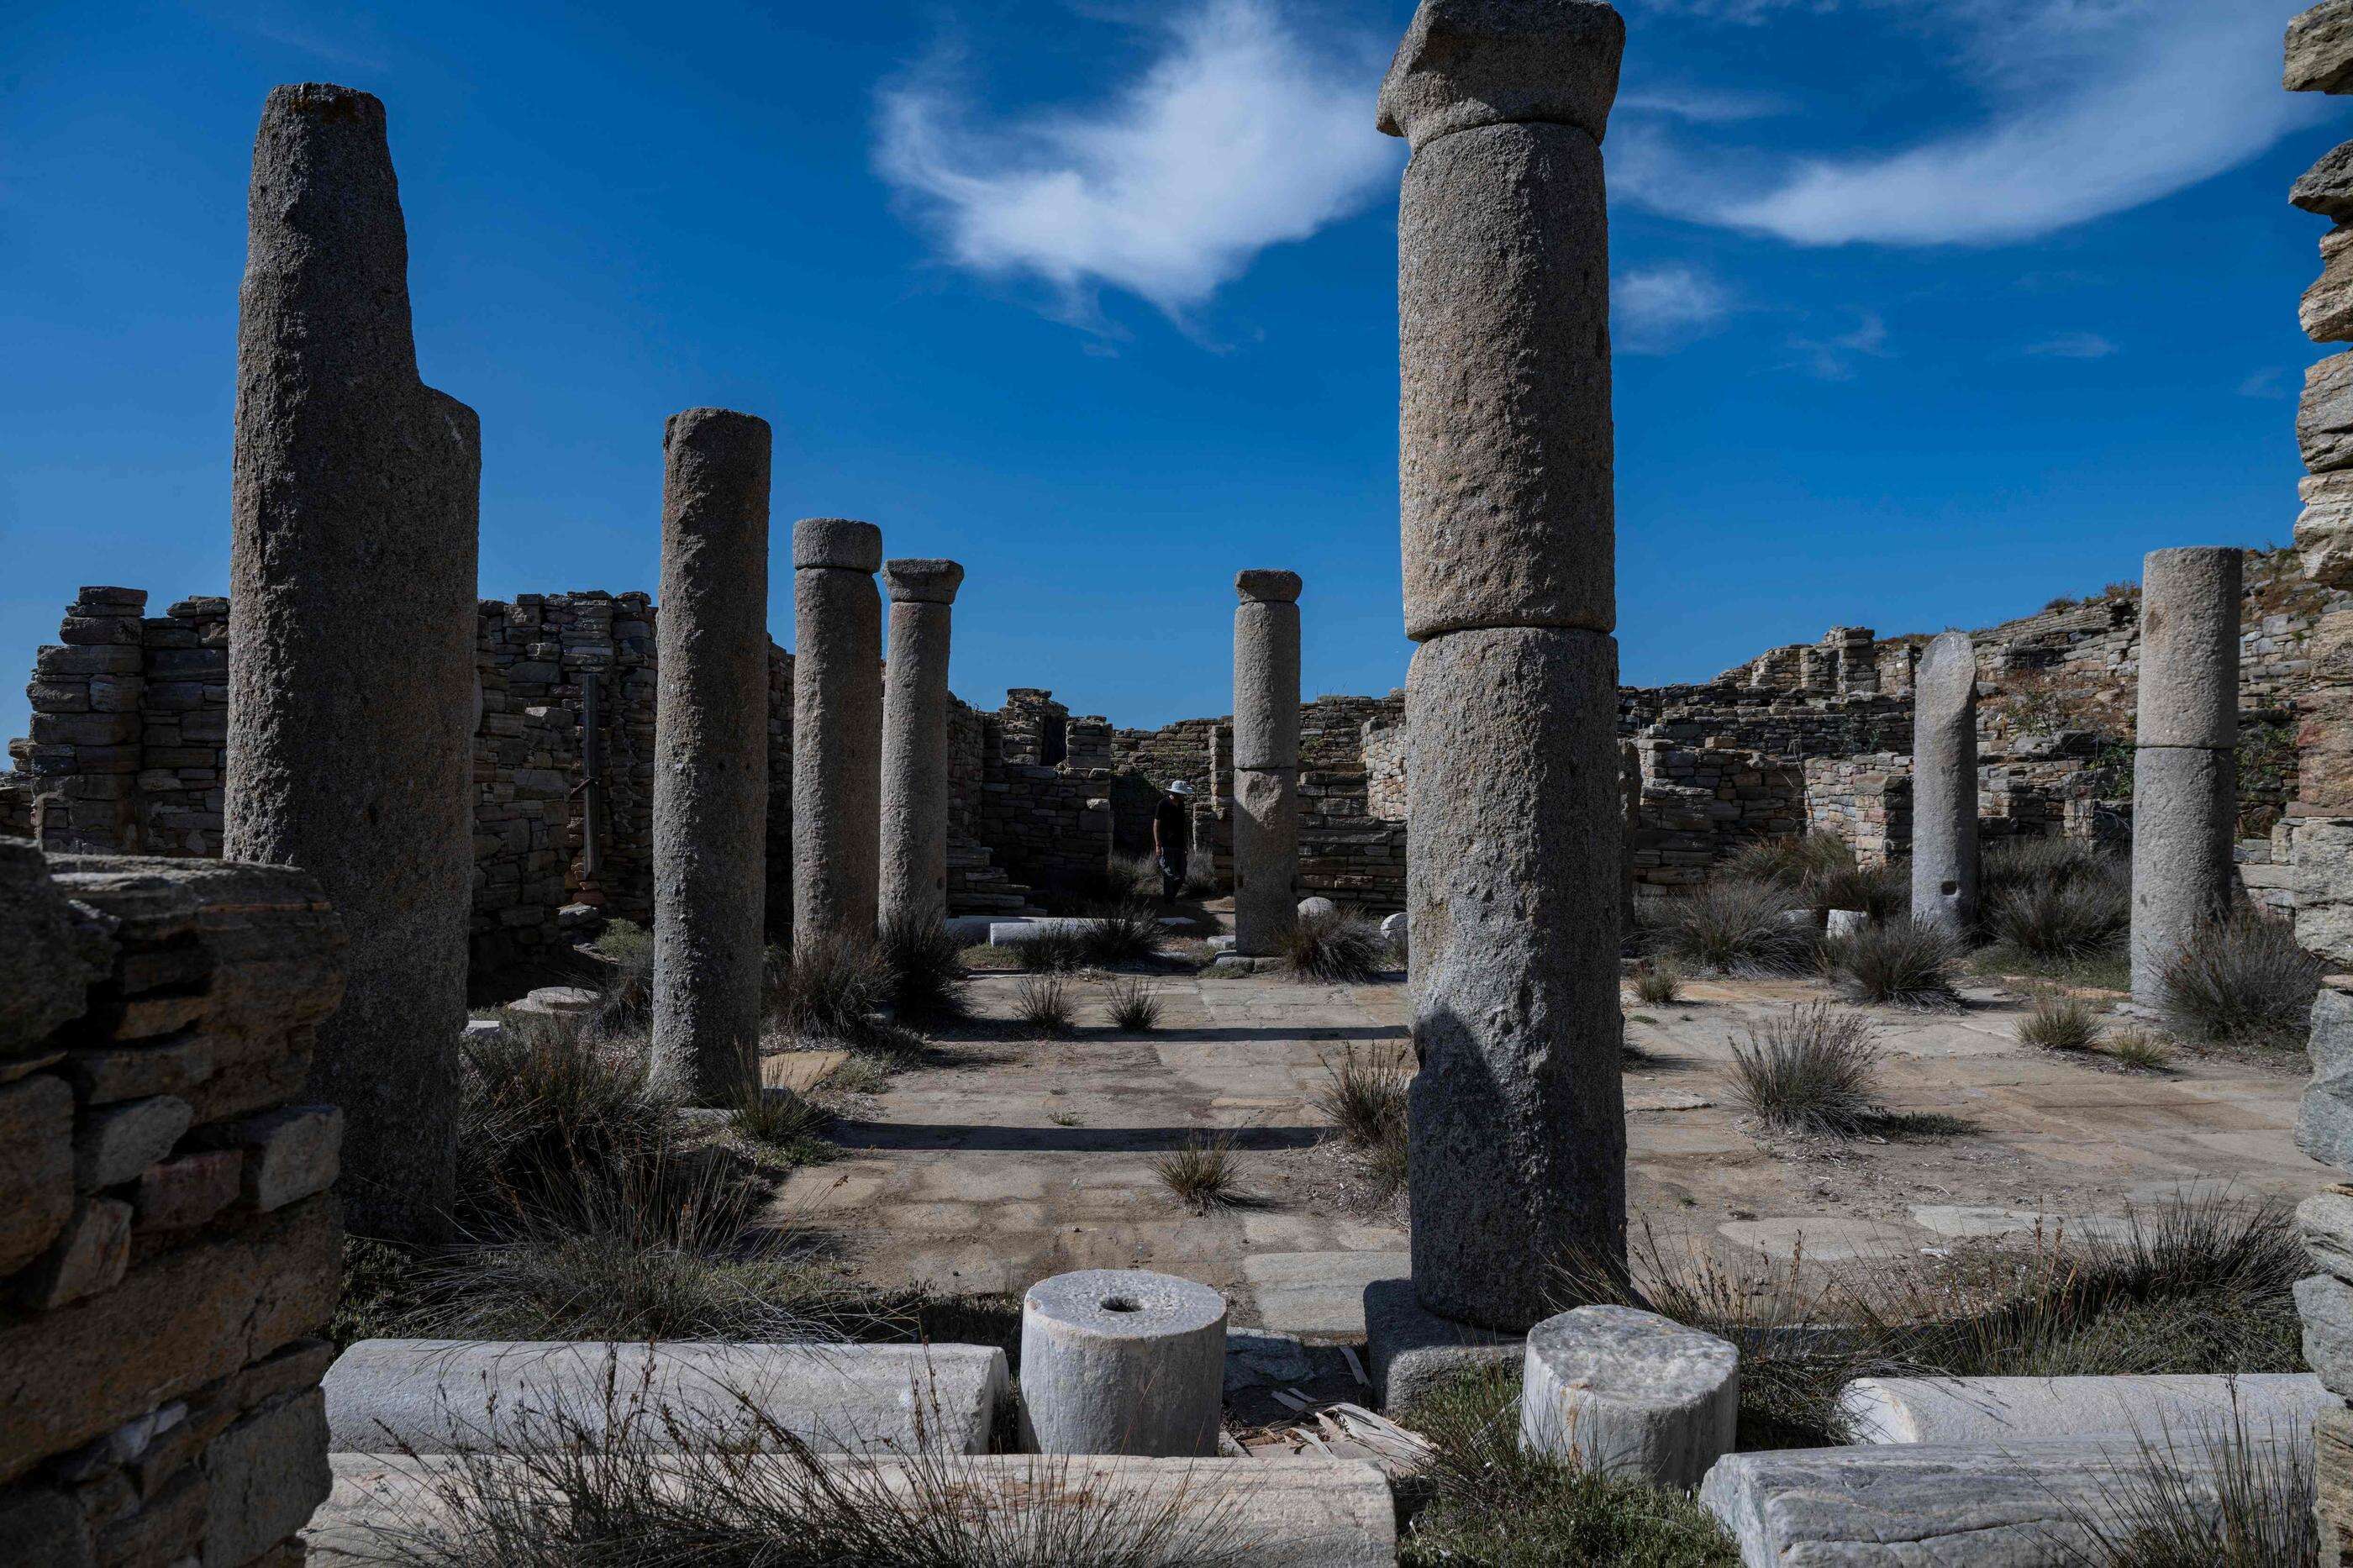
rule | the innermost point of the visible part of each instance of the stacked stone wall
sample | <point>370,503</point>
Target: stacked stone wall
<point>170,1251</point>
<point>1703,805</point>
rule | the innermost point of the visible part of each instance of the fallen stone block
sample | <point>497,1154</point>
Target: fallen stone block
<point>1630,1393</point>
<point>1271,1513</point>
<point>2020,1505</point>
<point>437,1396</point>
<point>1991,1410</point>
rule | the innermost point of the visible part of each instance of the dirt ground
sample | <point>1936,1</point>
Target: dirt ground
<point>1007,1158</point>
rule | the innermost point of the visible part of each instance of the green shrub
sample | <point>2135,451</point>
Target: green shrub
<point>2241,981</point>
<point>1339,947</point>
<point>1729,926</point>
<point>927,966</point>
<point>545,1104</point>
<point>784,1123</point>
<point>1809,1070</point>
<point>1053,950</point>
<point>1903,963</point>
<point>828,987</point>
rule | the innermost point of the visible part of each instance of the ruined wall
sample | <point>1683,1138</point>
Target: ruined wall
<point>169,1248</point>
<point>1703,805</point>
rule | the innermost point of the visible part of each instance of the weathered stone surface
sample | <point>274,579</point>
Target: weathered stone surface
<point>46,1528</point>
<point>2323,1222</point>
<point>2327,188</point>
<point>436,1395</point>
<point>2017,1505</point>
<point>1505,439</point>
<point>2324,528</point>
<point>1266,860</point>
<point>1266,680</point>
<point>2325,1304</point>
<point>135,1071</point>
<point>1466,63</point>
<point>2324,1119</point>
<point>2188,691</point>
<point>37,1167</point>
<point>352,627</point>
<point>90,1256</point>
<point>837,729</point>
<point>2325,312</point>
<point>263,1477</point>
<point>1945,785</point>
<point>290,1153</point>
<point>1413,1351</point>
<point>1122,1360</point>
<point>1287,1512</point>
<point>711,754</point>
<point>2320,49</point>
<point>116,1144</point>
<point>184,1193</point>
<point>915,827</point>
<point>1630,1394</point>
<point>185,1318</point>
<point>2184,809</point>
<point>45,961</point>
<point>1995,1410</point>
<point>1517,1121</point>
<point>2332,1467</point>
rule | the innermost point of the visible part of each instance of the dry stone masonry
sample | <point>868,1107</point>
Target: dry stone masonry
<point>169,1250</point>
<point>2185,761</point>
<point>1505,459</point>
<point>710,762</point>
<point>837,728</point>
<point>354,495</point>
<point>1266,761</point>
<point>915,740</point>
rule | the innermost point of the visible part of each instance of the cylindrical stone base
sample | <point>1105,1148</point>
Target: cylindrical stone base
<point>2185,811</point>
<point>1266,859</point>
<point>711,755</point>
<point>1518,1122</point>
<point>837,729</point>
<point>1120,1360</point>
<point>1630,1394</point>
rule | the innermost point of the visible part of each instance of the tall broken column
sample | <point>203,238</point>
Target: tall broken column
<point>1517,1123</point>
<point>353,510</point>
<point>711,755</point>
<point>914,824</point>
<point>2185,756</point>
<point>837,728</point>
<point>1945,786</point>
<point>1266,761</point>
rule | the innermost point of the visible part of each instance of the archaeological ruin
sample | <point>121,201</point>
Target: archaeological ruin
<point>571,1076</point>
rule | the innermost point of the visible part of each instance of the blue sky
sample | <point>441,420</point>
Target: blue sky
<point>1927,309</point>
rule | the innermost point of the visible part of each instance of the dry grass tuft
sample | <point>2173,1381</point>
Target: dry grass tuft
<point>1338,948</point>
<point>1658,983</point>
<point>1204,1173</point>
<point>2060,1023</point>
<point>1043,1002</point>
<point>1903,963</point>
<point>1730,926</point>
<point>2241,980</point>
<point>1134,1006</point>
<point>1810,1070</point>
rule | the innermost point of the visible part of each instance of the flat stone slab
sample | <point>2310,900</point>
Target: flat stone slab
<point>1230,965</point>
<point>1413,1349</point>
<point>1275,1513</point>
<point>1317,1292</point>
<point>2020,1505</point>
<point>970,930</point>
<point>439,1396</point>
<point>1961,1410</point>
<point>556,1001</point>
<point>1013,933</point>
<point>799,1071</point>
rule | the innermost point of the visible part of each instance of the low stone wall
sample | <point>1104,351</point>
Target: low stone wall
<point>1702,805</point>
<point>170,1252</point>
<point>1865,801</point>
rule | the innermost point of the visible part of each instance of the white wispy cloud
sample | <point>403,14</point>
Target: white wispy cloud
<point>2092,107</point>
<point>1700,105</point>
<point>1657,309</point>
<point>1241,134</point>
<point>2269,382</point>
<point>2073,345</point>
<point>1747,13</point>
<point>1833,358</point>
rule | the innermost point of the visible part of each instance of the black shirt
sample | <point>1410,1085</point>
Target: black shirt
<point>1172,825</point>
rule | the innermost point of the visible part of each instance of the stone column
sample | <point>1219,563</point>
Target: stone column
<point>837,728</point>
<point>1266,761</point>
<point>1945,786</point>
<point>711,754</point>
<point>353,517</point>
<point>1518,1126</point>
<point>914,824</point>
<point>2185,756</point>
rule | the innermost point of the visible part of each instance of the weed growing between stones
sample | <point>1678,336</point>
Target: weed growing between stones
<point>1659,982</point>
<point>2060,1023</point>
<point>1128,931</point>
<point>641,1484</point>
<point>2241,980</point>
<point>783,1121</point>
<point>1044,1003</point>
<point>1203,1173</point>
<point>1811,1069</point>
<point>1339,947</point>
<point>1730,926</point>
<point>1902,965</point>
<point>1479,1499</point>
<point>1134,1006</point>
<point>2138,1050</point>
<point>2215,1495</point>
<point>827,987</point>
<point>1364,1094</point>
<point>927,966</point>
<point>2061,923</point>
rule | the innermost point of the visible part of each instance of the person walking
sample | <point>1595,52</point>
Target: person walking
<point>1172,837</point>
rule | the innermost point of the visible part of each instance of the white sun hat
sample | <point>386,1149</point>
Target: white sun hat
<point>1178,786</point>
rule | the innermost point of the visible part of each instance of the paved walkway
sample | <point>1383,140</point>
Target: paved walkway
<point>1011,1158</point>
